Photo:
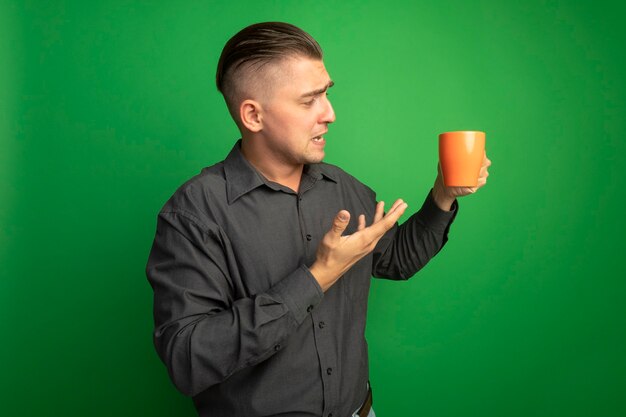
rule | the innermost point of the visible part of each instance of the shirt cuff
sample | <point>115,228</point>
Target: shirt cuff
<point>434,217</point>
<point>300,292</point>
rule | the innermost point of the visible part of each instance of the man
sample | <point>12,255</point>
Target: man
<point>261,264</point>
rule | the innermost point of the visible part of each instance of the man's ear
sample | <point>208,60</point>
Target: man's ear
<point>251,115</point>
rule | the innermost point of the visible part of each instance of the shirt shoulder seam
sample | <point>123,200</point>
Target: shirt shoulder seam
<point>191,217</point>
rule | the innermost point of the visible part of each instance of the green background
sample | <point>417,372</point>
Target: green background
<point>107,107</point>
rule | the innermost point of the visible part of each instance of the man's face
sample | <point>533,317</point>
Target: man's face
<point>296,112</point>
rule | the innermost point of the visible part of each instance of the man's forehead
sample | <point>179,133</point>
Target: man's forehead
<point>294,77</point>
<point>305,74</point>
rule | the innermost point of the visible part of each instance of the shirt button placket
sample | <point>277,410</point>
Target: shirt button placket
<point>326,361</point>
<point>323,343</point>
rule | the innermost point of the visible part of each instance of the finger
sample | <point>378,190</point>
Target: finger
<point>396,204</point>
<point>397,210</point>
<point>485,166</point>
<point>486,161</point>
<point>340,223</point>
<point>380,211</point>
<point>379,228</point>
<point>392,217</point>
<point>361,225</point>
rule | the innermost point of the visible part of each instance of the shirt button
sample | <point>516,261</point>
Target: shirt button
<point>322,324</point>
<point>329,371</point>
<point>309,237</point>
<point>309,309</point>
<point>277,348</point>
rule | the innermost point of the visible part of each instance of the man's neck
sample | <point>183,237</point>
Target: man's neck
<point>274,170</point>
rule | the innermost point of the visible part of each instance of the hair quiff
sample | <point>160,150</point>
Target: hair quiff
<point>257,45</point>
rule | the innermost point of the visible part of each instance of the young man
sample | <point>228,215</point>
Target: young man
<point>261,264</point>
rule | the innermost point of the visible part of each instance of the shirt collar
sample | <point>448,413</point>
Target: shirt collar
<point>242,177</point>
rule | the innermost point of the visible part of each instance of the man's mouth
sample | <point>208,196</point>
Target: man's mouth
<point>319,138</point>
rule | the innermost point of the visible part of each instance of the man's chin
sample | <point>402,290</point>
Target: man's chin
<point>316,159</point>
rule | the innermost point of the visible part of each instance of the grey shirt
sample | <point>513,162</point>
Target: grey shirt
<point>240,322</point>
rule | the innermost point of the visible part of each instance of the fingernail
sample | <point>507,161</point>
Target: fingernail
<point>343,217</point>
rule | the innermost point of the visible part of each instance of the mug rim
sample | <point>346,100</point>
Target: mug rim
<point>463,131</point>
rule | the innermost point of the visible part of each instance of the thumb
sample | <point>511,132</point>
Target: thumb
<point>340,222</point>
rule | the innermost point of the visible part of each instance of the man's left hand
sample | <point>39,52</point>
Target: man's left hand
<point>445,196</point>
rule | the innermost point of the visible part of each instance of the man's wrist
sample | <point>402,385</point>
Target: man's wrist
<point>322,276</point>
<point>442,199</point>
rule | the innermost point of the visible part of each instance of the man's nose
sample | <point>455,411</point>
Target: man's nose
<point>328,115</point>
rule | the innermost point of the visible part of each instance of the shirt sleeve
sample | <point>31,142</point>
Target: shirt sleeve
<point>202,333</point>
<point>406,249</point>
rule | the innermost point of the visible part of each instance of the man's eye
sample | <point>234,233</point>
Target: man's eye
<point>311,102</point>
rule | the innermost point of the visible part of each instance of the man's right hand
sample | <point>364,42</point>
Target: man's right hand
<point>336,253</point>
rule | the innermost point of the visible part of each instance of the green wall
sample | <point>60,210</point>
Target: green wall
<point>106,107</point>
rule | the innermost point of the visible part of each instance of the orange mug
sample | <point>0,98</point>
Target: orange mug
<point>460,156</point>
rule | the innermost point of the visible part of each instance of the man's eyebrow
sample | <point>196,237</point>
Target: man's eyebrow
<point>318,91</point>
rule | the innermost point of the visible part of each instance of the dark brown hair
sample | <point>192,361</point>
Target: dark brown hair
<point>258,44</point>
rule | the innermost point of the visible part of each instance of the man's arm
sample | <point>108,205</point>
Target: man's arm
<point>406,249</point>
<point>336,254</point>
<point>202,333</point>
